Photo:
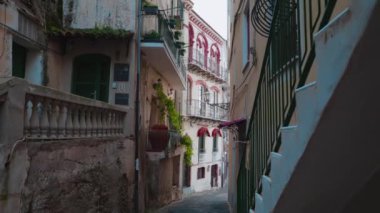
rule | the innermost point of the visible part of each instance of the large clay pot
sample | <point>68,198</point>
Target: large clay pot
<point>159,137</point>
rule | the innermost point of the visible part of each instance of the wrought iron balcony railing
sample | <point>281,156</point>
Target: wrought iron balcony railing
<point>287,62</point>
<point>209,66</point>
<point>202,109</point>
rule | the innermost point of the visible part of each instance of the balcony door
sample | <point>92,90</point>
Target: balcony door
<point>91,76</point>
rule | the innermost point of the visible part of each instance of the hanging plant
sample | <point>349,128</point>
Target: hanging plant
<point>188,143</point>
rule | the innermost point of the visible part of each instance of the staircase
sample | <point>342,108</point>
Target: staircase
<point>334,44</point>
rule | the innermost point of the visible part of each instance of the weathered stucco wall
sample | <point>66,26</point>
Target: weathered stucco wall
<point>68,176</point>
<point>118,14</point>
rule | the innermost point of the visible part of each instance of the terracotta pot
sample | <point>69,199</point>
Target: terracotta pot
<point>159,137</point>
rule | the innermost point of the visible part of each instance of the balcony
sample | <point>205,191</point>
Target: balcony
<point>205,110</point>
<point>161,50</point>
<point>43,113</point>
<point>207,67</point>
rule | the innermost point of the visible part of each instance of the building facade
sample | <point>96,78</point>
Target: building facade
<point>296,65</point>
<point>67,89</point>
<point>205,103</point>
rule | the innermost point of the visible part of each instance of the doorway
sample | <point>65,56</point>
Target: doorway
<point>91,74</point>
<point>214,175</point>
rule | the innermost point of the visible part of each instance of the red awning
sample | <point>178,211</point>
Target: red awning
<point>203,131</point>
<point>230,123</point>
<point>216,132</point>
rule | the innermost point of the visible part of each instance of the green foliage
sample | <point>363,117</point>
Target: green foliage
<point>152,35</point>
<point>188,143</point>
<point>177,34</point>
<point>148,4</point>
<point>95,33</point>
<point>167,106</point>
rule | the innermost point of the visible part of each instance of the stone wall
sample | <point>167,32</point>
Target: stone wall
<point>95,175</point>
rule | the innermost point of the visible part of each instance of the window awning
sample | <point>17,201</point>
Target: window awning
<point>202,132</point>
<point>216,132</point>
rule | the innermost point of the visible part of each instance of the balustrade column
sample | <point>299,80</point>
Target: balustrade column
<point>89,121</point>
<point>62,118</point>
<point>54,113</point>
<point>45,108</point>
<point>82,122</point>
<point>27,115</point>
<point>76,124</point>
<point>69,121</point>
<point>34,118</point>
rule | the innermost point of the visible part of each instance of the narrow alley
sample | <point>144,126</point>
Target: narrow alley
<point>204,202</point>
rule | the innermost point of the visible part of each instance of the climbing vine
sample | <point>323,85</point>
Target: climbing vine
<point>166,106</point>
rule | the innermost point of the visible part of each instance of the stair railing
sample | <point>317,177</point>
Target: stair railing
<point>286,65</point>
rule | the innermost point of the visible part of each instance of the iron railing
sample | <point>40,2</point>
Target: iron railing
<point>208,64</point>
<point>287,61</point>
<point>204,109</point>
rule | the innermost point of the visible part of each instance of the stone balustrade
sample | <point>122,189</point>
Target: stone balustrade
<point>52,114</point>
<point>41,113</point>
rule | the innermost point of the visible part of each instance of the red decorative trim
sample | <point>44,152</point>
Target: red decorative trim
<point>198,21</point>
<point>191,42</point>
<point>202,132</point>
<point>215,88</point>
<point>216,132</point>
<point>190,79</point>
<point>215,52</point>
<point>201,82</point>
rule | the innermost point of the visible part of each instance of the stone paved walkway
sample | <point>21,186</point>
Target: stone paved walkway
<point>205,202</point>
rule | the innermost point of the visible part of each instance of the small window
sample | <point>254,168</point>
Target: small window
<point>202,144</point>
<point>201,173</point>
<point>215,144</point>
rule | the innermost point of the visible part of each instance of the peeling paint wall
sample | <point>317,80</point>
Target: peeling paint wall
<point>83,14</point>
<point>71,176</point>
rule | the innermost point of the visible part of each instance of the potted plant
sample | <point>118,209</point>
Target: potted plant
<point>177,34</point>
<point>182,52</point>
<point>149,8</point>
<point>179,44</point>
<point>152,36</point>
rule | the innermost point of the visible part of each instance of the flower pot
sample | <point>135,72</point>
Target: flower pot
<point>159,137</point>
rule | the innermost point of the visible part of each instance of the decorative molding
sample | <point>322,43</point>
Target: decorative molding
<point>188,4</point>
<point>215,88</point>
<point>201,24</point>
<point>201,82</point>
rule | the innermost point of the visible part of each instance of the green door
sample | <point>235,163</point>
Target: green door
<point>18,60</point>
<point>91,76</point>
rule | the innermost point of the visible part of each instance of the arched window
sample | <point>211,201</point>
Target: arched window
<point>214,61</point>
<point>202,50</point>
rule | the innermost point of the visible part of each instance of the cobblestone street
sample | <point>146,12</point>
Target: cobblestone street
<point>205,202</point>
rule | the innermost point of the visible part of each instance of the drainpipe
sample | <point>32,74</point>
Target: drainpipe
<point>137,105</point>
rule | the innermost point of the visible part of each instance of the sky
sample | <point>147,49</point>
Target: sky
<point>214,12</point>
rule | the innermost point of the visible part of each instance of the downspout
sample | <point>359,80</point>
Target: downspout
<point>137,105</point>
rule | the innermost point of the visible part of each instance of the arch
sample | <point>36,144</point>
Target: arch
<point>202,82</point>
<point>203,131</point>
<point>202,44</point>
<point>215,52</point>
<point>215,88</point>
<point>216,132</point>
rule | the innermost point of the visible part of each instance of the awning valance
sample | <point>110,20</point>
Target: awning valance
<point>202,132</point>
<point>216,132</point>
